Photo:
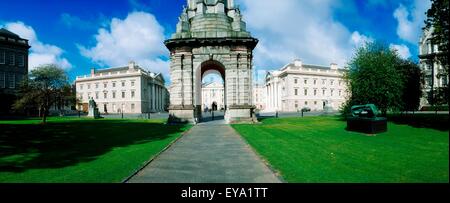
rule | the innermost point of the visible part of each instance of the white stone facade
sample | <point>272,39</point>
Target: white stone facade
<point>128,89</point>
<point>213,93</point>
<point>296,86</point>
<point>428,53</point>
<point>259,96</point>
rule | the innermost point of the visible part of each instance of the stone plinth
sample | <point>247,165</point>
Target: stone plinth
<point>182,115</point>
<point>367,125</point>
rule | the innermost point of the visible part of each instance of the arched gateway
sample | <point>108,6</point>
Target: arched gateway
<point>211,36</point>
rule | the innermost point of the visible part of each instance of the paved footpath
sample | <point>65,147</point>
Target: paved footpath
<point>209,153</point>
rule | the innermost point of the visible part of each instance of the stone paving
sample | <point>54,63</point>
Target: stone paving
<point>210,152</point>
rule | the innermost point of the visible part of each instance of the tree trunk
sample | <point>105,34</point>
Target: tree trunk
<point>44,116</point>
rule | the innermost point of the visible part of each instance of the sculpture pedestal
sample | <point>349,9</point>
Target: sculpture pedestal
<point>367,125</point>
<point>94,113</point>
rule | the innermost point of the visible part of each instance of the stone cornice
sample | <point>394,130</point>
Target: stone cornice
<point>197,42</point>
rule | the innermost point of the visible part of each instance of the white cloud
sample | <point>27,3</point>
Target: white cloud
<point>411,20</point>
<point>292,29</point>
<point>40,53</point>
<point>402,50</point>
<point>139,37</point>
<point>359,40</point>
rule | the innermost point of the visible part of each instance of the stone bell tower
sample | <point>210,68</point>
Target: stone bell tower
<point>211,36</point>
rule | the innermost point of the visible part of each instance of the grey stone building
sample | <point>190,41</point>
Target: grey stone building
<point>430,65</point>
<point>13,67</point>
<point>211,36</point>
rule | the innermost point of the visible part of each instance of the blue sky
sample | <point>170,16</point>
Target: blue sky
<point>80,34</point>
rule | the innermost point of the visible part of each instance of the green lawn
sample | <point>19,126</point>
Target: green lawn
<point>79,150</point>
<point>320,150</point>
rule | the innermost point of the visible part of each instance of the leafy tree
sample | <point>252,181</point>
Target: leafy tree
<point>438,17</point>
<point>46,84</point>
<point>412,85</point>
<point>373,77</point>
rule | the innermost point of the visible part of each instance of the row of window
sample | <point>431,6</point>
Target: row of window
<point>105,85</point>
<point>105,95</point>
<point>315,92</point>
<point>305,81</point>
<point>12,58</point>
<point>9,80</point>
<point>307,103</point>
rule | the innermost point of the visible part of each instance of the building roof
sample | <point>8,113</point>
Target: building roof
<point>6,33</point>
<point>111,69</point>
<point>124,68</point>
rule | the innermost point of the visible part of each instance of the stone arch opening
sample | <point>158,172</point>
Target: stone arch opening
<point>207,68</point>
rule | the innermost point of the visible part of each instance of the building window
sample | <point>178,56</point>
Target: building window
<point>306,92</point>
<point>323,92</point>
<point>89,86</point>
<point>19,79</point>
<point>2,80</point>
<point>315,102</point>
<point>123,83</point>
<point>105,95</point>
<point>114,84</point>
<point>306,103</point>
<point>114,95</point>
<point>96,95</point>
<point>296,92</point>
<point>89,95</point>
<point>132,83</point>
<point>296,105</point>
<point>81,87</point>
<point>12,81</point>
<point>332,82</point>
<point>2,57</point>
<point>306,81</point>
<point>323,82</point>
<point>132,94</point>
<point>315,82</point>
<point>295,80</point>
<point>340,92</point>
<point>81,96</point>
<point>96,85</point>
<point>315,92</point>
<point>105,85</point>
<point>12,59</point>
<point>123,94</point>
<point>21,60</point>
<point>132,106</point>
<point>332,91</point>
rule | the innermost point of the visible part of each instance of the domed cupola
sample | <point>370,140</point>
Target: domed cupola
<point>211,19</point>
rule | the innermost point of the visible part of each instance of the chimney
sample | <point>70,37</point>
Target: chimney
<point>298,62</point>
<point>131,65</point>
<point>333,66</point>
<point>92,71</point>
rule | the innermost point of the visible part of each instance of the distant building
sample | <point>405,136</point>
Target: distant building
<point>297,85</point>
<point>13,67</point>
<point>213,93</point>
<point>259,96</point>
<point>128,89</point>
<point>428,54</point>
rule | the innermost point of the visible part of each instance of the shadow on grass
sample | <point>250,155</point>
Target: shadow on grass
<point>433,121</point>
<point>62,144</point>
